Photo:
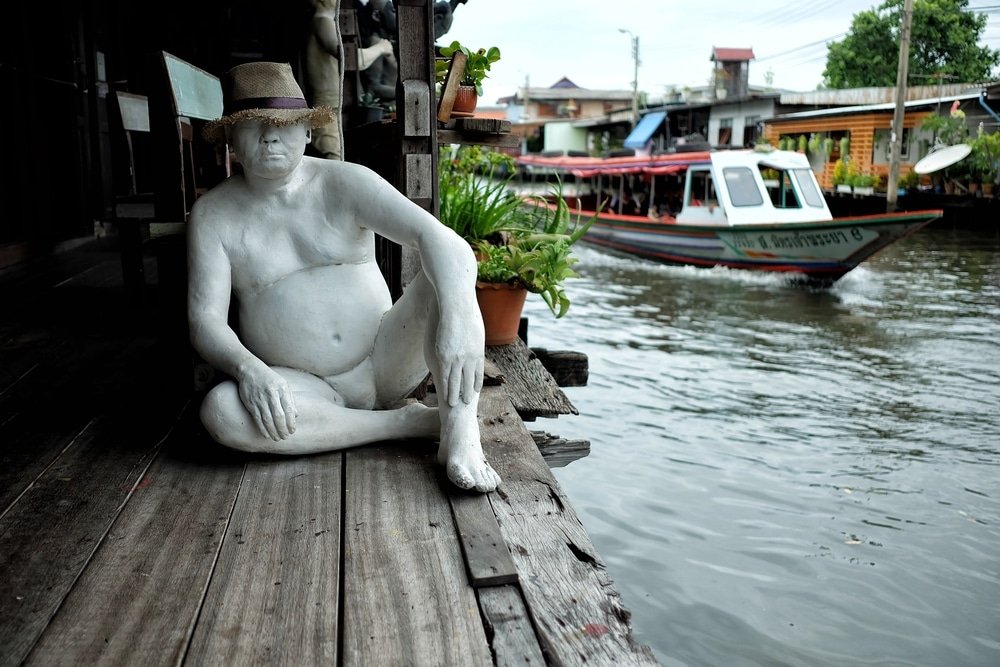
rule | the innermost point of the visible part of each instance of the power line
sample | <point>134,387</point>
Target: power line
<point>821,42</point>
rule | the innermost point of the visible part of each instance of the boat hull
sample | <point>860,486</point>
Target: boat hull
<point>820,251</point>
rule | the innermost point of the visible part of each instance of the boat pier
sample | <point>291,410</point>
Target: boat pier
<point>128,537</point>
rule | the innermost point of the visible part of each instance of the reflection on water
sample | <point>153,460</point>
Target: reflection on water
<point>782,475</point>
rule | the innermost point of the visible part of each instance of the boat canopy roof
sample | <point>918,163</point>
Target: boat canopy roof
<point>735,192</point>
<point>585,167</point>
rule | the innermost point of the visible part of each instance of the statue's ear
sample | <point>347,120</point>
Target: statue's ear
<point>309,135</point>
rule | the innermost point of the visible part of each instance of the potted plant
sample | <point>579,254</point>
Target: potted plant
<point>909,181</point>
<point>863,184</point>
<point>477,67</point>
<point>368,110</point>
<point>522,245</point>
<point>841,176</point>
<point>985,158</point>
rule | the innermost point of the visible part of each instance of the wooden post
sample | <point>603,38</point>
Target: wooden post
<point>892,185</point>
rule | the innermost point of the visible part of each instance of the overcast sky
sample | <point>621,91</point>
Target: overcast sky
<point>542,41</point>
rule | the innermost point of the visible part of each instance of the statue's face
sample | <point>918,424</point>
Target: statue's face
<point>266,150</point>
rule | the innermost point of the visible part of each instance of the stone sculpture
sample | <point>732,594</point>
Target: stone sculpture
<point>322,359</point>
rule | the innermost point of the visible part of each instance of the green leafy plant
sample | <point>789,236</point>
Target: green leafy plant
<point>950,129</point>
<point>815,143</point>
<point>522,241</point>
<point>863,180</point>
<point>474,192</point>
<point>986,155</point>
<point>910,180</point>
<point>840,173</point>
<point>477,65</point>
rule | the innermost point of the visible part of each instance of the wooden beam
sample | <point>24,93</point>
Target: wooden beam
<point>450,87</point>
<point>486,556</point>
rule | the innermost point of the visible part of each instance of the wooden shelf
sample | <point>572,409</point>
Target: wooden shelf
<point>483,131</point>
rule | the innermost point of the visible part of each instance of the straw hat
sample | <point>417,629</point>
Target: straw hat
<point>264,91</point>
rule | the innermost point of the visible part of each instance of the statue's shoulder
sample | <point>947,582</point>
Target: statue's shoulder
<point>211,207</point>
<point>346,177</point>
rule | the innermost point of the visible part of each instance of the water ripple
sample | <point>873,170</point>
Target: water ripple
<point>791,476</point>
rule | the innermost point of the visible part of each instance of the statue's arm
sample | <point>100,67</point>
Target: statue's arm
<point>263,392</point>
<point>450,266</point>
<point>326,32</point>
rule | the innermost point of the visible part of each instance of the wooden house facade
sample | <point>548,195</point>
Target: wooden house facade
<point>867,129</point>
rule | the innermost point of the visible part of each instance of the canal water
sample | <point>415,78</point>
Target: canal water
<point>791,476</point>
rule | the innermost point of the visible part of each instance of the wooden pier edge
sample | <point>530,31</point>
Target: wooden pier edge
<point>577,613</point>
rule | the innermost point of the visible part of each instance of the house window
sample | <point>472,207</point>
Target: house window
<point>725,131</point>
<point>904,144</point>
<point>751,130</point>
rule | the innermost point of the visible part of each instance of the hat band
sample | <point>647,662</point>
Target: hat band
<point>265,103</point>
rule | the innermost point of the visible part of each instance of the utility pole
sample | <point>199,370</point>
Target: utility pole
<point>635,75</point>
<point>896,138</point>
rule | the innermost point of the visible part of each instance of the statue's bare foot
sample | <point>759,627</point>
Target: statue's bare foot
<point>462,456</point>
<point>425,421</point>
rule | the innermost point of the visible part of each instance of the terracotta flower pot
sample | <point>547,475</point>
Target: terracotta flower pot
<point>501,305</point>
<point>465,100</point>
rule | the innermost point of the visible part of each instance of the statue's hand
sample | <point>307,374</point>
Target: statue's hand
<point>268,398</point>
<point>459,348</point>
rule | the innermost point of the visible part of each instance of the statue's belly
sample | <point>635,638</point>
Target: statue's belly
<point>321,320</point>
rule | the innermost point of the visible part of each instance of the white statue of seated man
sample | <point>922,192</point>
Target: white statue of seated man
<point>323,359</point>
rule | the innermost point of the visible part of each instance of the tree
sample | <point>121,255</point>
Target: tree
<point>945,42</point>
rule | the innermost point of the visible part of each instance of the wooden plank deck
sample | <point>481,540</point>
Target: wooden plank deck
<point>128,537</point>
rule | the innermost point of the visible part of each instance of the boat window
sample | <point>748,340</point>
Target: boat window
<point>702,188</point>
<point>807,186</point>
<point>743,190</point>
<point>779,187</point>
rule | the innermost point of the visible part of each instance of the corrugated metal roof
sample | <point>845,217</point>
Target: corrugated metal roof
<point>559,94</point>
<point>868,108</point>
<point>874,95</point>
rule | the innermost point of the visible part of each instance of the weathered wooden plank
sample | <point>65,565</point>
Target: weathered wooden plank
<point>49,270</point>
<point>49,535</point>
<point>446,136</point>
<point>138,598</point>
<point>532,390</point>
<point>418,176</point>
<point>449,89</point>
<point>567,368</point>
<point>417,98</point>
<point>77,380</point>
<point>28,449</point>
<point>577,613</point>
<point>415,37</point>
<point>477,126</point>
<point>508,624</point>
<point>558,451</point>
<point>274,594</point>
<point>487,559</point>
<point>406,597</point>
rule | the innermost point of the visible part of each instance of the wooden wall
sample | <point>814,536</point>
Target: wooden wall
<point>861,128</point>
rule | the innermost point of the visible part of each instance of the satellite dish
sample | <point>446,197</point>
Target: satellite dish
<point>939,158</point>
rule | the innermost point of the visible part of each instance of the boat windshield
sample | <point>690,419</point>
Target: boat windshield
<point>807,186</point>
